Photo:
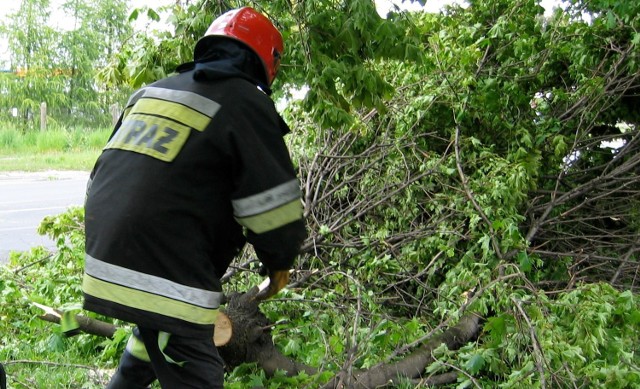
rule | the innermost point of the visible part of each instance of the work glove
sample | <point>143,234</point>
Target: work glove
<point>277,280</point>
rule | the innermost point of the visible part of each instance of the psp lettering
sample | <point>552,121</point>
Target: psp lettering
<point>138,133</point>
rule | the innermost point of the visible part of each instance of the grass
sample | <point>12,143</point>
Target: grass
<point>55,149</point>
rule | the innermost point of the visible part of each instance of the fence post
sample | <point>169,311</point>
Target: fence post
<point>115,114</point>
<point>43,116</point>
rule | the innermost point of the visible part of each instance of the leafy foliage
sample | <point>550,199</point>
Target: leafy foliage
<point>35,352</point>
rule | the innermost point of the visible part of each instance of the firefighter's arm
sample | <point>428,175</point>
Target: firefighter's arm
<point>277,250</point>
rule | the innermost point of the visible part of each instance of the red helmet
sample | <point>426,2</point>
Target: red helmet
<point>254,30</point>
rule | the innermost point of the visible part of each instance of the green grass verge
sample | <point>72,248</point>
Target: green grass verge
<point>54,149</point>
<point>81,160</point>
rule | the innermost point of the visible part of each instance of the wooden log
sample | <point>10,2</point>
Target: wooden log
<point>87,324</point>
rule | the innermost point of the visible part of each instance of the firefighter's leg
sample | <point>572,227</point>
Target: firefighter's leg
<point>181,362</point>
<point>135,370</point>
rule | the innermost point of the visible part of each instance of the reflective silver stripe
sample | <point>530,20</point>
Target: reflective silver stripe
<point>193,100</point>
<point>151,284</point>
<point>267,200</point>
<point>135,97</point>
<point>190,99</point>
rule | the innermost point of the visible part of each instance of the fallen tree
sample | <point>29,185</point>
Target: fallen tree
<point>248,340</point>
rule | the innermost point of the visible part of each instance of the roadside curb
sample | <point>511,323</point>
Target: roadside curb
<point>44,175</point>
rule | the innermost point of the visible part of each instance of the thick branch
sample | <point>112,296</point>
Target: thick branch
<point>413,365</point>
<point>87,324</point>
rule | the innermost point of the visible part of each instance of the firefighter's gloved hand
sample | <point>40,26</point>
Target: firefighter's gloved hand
<point>277,280</point>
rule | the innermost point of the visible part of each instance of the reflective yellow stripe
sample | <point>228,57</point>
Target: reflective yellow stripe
<point>177,112</point>
<point>147,301</point>
<point>152,284</point>
<point>137,348</point>
<point>197,102</point>
<point>158,121</point>
<point>273,219</point>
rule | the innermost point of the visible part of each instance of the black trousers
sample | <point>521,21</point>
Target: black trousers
<point>177,362</point>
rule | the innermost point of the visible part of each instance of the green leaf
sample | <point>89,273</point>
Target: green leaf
<point>153,15</point>
<point>292,346</point>
<point>475,364</point>
<point>611,20</point>
<point>634,317</point>
<point>485,244</point>
<point>324,230</point>
<point>524,261</point>
<point>134,15</point>
<point>496,326</point>
<point>255,381</point>
<point>56,342</point>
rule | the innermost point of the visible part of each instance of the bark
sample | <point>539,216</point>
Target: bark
<point>441,379</point>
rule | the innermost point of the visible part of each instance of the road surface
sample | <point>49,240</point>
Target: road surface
<point>26,198</point>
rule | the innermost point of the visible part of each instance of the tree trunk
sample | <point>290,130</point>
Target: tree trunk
<point>251,339</point>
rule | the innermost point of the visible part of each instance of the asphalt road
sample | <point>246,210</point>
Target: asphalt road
<point>26,198</point>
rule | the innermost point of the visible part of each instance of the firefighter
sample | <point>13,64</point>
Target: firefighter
<point>195,167</point>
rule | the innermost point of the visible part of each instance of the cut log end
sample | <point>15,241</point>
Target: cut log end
<point>223,330</point>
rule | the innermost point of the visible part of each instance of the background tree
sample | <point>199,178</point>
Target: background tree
<point>29,38</point>
<point>98,30</point>
<point>58,65</point>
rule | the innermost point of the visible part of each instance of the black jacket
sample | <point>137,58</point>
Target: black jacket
<point>196,166</point>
